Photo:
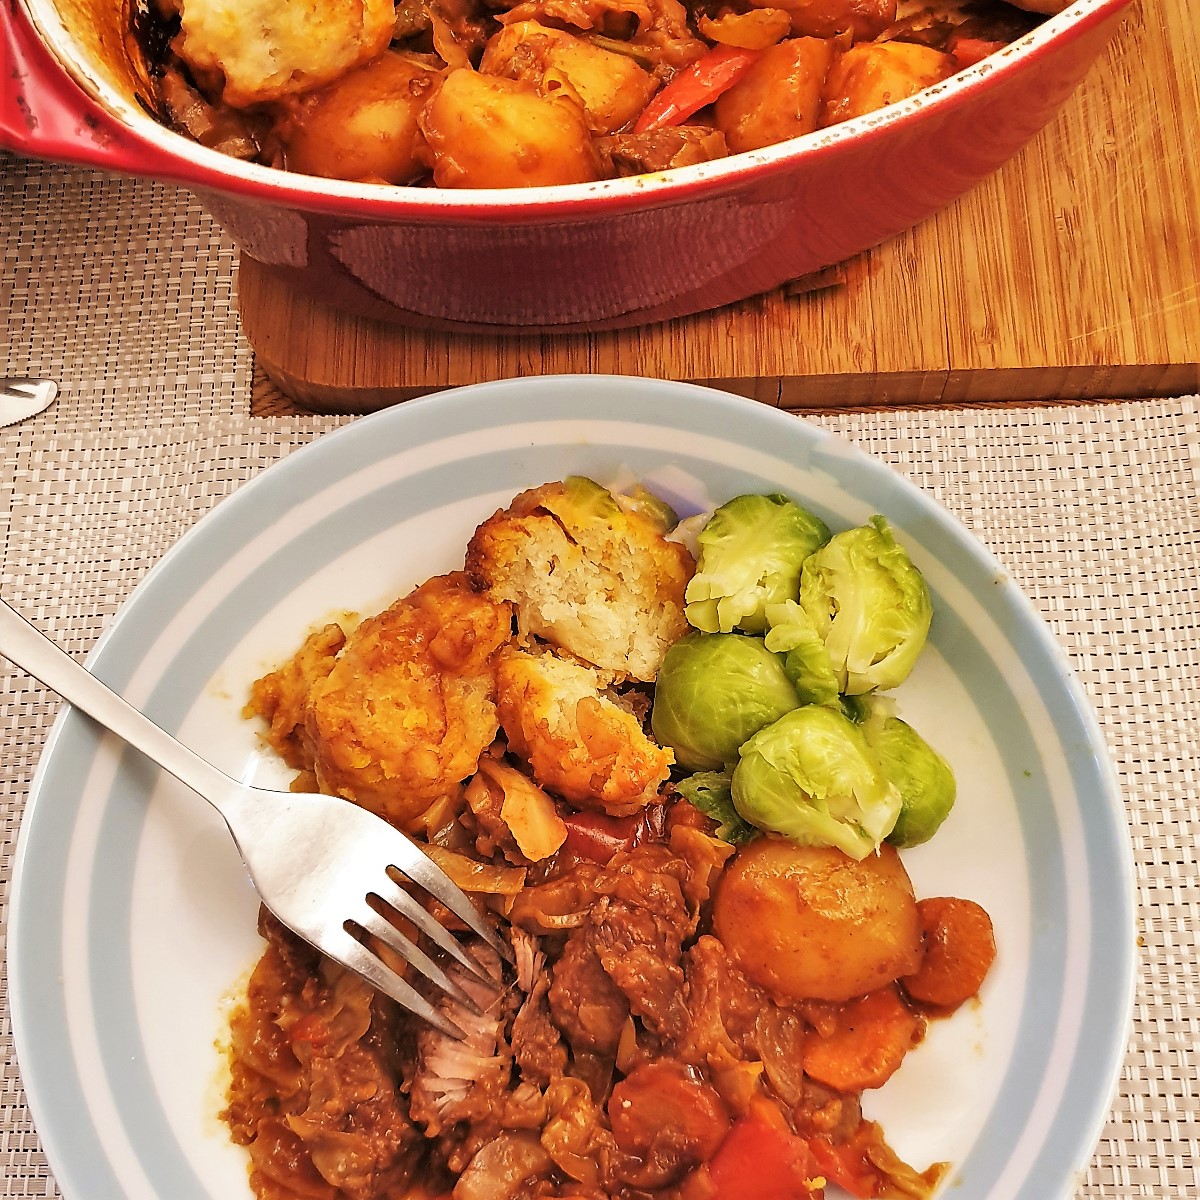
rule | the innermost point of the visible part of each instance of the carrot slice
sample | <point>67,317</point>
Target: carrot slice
<point>959,950</point>
<point>868,1041</point>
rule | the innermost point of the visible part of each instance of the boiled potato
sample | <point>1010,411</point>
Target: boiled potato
<point>364,126</point>
<point>612,87</point>
<point>811,923</point>
<point>489,132</point>
<point>871,75</point>
<point>778,98</point>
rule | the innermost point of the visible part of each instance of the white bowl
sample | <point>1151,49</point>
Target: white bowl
<point>132,923</point>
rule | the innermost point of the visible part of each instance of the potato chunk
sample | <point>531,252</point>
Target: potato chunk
<point>869,76</point>
<point>612,87</point>
<point>778,98</point>
<point>364,126</point>
<point>486,131</point>
<point>810,923</point>
<point>264,50</point>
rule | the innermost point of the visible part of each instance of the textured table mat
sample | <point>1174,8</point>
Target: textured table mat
<point>122,291</point>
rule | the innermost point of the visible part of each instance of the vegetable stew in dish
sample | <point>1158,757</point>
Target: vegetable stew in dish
<point>663,760</point>
<point>489,94</point>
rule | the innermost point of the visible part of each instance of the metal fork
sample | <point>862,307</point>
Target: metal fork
<point>319,863</point>
<point>24,397</point>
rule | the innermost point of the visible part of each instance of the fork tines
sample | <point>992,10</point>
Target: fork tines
<point>354,954</point>
<point>377,927</point>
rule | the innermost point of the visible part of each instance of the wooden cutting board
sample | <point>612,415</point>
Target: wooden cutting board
<point>1072,274</point>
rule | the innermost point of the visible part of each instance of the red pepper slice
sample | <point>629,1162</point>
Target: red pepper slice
<point>597,836</point>
<point>696,86</point>
<point>967,51</point>
<point>758,1161</point>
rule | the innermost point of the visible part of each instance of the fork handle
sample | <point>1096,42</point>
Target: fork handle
<point>31,650</point>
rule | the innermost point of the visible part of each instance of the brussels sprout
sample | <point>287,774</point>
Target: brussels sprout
<point>687,533</point>
<point>583,499</point>
<point>812,777</point>
<point>869,709</point>
<point>920,774</point>
<point>651,508</point>
<point>751,552</point>
<point>870,605</point>
<point>805,659</point>
<point>711,792</point>
<point>713,692</point>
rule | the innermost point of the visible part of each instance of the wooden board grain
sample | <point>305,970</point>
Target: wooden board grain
<point>1072,273</point>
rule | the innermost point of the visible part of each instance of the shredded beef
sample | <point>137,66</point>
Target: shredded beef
<point>611,1066</point>
<point>720,1008</point>
<point>638,929</point>
<point>536,1041</point>
<point>585,1003</point>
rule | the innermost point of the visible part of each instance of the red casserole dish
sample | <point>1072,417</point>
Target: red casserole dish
<point>581,256</point>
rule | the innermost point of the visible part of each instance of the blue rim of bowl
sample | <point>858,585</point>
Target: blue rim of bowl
<point>57,1094</point>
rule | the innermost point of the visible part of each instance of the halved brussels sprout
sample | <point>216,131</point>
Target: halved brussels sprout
<point>751,553</point>
<point>712,793</point>
<point>812,777</point>
<point>584,498</point>
<point>712,693</point>
<point>920,774</point>
<point>805,659</point>
<point>651,508</point>
<point>870,605</point>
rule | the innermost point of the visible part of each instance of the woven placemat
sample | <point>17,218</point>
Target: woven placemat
<point>1091,508</point>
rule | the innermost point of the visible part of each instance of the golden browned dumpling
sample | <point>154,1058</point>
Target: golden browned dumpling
<point>409,706</point>
<point>577,741</point>
<point>828,18</point>
<point>586,575</point>
<point>281,697</point>
<point>265,50</point>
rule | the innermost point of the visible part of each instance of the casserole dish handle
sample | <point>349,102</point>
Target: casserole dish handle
<point>45,114</point>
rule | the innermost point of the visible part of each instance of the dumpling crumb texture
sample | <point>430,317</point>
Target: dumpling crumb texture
<point>266,50</point>
<point>596,580</point>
